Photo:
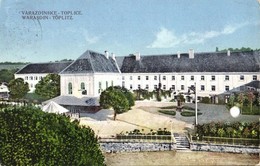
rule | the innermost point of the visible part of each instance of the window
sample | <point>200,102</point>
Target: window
<point>123,84</point>
<point>192,78</point>
<point>254,77</point>
<point>70,88</point>
<point>242,77</point>
<point>213,88</point>
<point>155,86</point>
<point>35,78</point>
<point>173,87</point>
<point>31,85</point>
<point>123,77</point>
<point>164,87</point>
<point>202,87</point>
<point>226,78</point>
<point>131,86</point>
<point>82,86</point>
<point>147,87</point>
<point>100,85</point>
<point>139,86</point>
<point>213,78</point>
<point>182,87</point>
<point>147,77</point>
<point>173,77</point>
<point>131,77</point>
<point>139,77</point>
<point>31,77</point>
<point>155,77</point>
<point>182,77</point>
<point>40,78</point>
<point>202,78</point>
<point>26,78</point>
<point>227,88</point>
<point>164,78</point>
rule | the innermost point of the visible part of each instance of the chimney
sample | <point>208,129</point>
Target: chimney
<point>178,54</point>
<point>191,53</point>
<point>113,56</point>
<point>107,54</point>
<point>137,56</point>
<point>228,52</point>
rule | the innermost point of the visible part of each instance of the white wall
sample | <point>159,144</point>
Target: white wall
<point>91,81</point>
<point>31,78</point>
<point>219,82</point>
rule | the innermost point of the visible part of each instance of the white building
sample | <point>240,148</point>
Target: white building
<point>214,73</point>
<point>34,72</point>
<point>4,92</point>
<point>89,75</point>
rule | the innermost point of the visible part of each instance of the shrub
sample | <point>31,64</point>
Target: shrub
<point>168,112</point>
<point>29,136</point>
<point>189,113</point>
<point>234,130</point>
<point>205,100</point>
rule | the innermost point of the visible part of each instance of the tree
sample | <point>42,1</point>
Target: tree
<point>114,98</point>
<point>29,136</point>
<point>49,86</point>
<point>6,75</point>
<point>251,97</point>
<point>127,93</point>
<point>18,88</point>
<point>241,99</point>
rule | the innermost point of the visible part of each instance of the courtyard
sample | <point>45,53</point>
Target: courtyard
<point>145,117</point>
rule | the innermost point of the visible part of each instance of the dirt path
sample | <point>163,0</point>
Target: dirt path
<point>180,158</point>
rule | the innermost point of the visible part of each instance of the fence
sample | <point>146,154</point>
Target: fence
<point>140,138</point>
<point>225,140</point>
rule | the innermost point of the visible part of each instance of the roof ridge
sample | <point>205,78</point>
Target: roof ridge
<point>90,60</point>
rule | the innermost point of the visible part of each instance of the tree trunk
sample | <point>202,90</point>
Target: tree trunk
<point>114,115</point>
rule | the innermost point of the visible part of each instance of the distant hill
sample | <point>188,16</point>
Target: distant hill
<point>12,65</point>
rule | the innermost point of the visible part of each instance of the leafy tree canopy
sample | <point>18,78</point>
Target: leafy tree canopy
<point>18,88</point>
<point>29,136</point>
<point>127,93</point>
<point>7,75</point>
<point>116,99</point>
<point>49,86</point>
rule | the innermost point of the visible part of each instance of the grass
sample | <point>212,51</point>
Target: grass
<point>168,112</point>
<point>174,107</point>
<point>189,113</point>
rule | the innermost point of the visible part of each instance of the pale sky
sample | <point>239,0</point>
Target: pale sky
<point>124,27</point>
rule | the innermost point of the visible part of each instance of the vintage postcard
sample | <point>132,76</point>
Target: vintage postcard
<point>159,82</point>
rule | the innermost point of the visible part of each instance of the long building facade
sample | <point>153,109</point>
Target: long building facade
<point>213,72</point>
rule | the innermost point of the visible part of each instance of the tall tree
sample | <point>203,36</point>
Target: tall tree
<point>18,88</point>
<point>251,97</point>
<point>49,86</point>
<point>241,100</point>
<point>116,99</point>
